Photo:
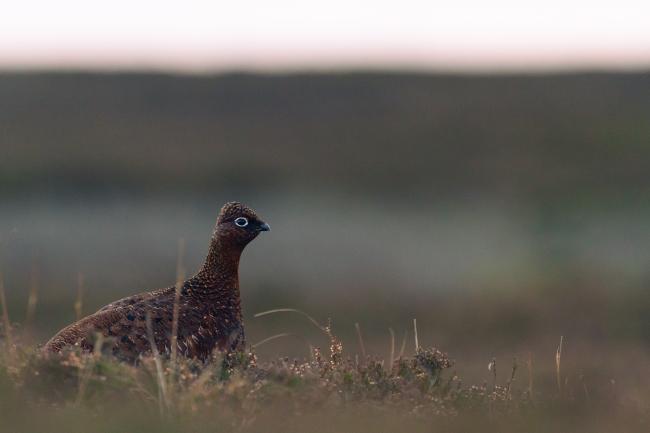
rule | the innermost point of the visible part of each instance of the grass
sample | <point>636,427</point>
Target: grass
<point>331,391</point>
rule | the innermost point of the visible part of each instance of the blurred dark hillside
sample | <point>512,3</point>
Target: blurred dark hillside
<point>542,139</point>
<point>517,205</point>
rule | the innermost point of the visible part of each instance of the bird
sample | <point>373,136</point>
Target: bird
<point>208,305</point>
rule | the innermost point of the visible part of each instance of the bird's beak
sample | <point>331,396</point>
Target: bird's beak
<point>264,227</point>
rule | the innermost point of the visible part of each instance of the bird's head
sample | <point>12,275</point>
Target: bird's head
<point>238,224</point>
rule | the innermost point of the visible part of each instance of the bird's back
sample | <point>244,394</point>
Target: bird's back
<point>202,326</point>
<point>122,324</point>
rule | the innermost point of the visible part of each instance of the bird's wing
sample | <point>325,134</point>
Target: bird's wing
<point>135,299</point>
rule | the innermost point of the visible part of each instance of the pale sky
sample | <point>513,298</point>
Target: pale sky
<point>198,36</point>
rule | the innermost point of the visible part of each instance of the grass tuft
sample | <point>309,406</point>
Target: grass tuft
<point>326,392</point>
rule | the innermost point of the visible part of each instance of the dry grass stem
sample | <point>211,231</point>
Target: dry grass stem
<point>283,335</point>
<point>32,300</point>
<point>512,378</point>
<point>403,346</point>
<point>88,368</point>
<point>558,363</point>
<point>163,398</point>
<point>391,358</point>
<point>180,277</point>
<point>271,338</point>
<point>529,365</point>
<point>415,334</point>
<point>293,310</point>
<point>78,304</point>
<point>362,346</point>
<point>5,316</point>
<point>492,367</point>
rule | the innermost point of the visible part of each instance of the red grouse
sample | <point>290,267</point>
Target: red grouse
<point>209,310</point>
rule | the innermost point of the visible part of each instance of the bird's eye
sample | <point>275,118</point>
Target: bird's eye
<point>241,222</point>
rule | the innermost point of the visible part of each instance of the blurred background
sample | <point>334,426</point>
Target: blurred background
<point>484,169</point>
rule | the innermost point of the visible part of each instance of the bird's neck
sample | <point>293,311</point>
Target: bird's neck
<point>220,270</point>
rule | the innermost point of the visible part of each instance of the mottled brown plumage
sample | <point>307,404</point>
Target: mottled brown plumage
<point>209,303</point>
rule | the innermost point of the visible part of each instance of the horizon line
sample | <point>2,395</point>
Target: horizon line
<point>329,70</point>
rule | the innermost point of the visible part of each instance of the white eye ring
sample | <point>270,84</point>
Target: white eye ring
<point>241,222</point>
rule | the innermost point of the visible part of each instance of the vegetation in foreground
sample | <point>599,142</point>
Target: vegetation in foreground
<point>328,392</point>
